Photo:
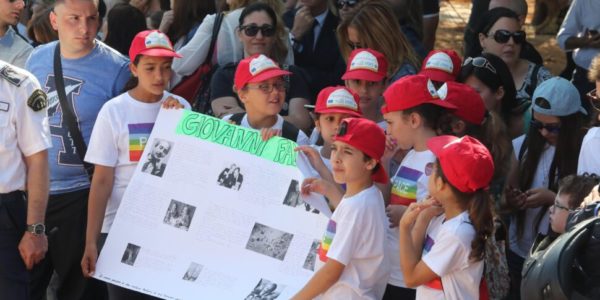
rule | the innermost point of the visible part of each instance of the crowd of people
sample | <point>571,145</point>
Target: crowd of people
<point>446,174</point>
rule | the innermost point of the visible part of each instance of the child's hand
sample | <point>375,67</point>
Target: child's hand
<point>313,184</point>
<point>313,156</point>
<point>394,214</point>
<point>411,214</point>
<point>172,103</point>
<point>539,197</point>
<point>391,147</point>
<point>515,197</point>
<point>267,133</point>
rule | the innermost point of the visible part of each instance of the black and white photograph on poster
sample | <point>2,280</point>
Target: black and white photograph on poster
<point>231,177</point>
<point>269,241</point>
<point>130,254</point>
<point>292,198</point>
<point>265,290</point>
<point>156,161</point>
<point>179,215</point>
<point>193,272</point>
<point>311,257</point>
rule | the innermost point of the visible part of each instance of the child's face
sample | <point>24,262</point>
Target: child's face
<point>349,163</point>
<point>153,73</point>
<point>399,126</point>
<point>368,91</point>
<point>328,125</point>
<point>264,98</point>
<point>559,213</point>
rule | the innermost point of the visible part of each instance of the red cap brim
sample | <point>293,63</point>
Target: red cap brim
<point>437,75</point>
<point>339,110</point>
<point>362,75</point>
<point>159,52</point>
<point>268,74</point>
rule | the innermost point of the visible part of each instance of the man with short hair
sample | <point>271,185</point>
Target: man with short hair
<point>24,140</point>
<point>93,73</point>
<point>14,48</point>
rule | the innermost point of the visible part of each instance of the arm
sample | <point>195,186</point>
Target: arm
<point>298,115</point>
<point>33,248</point>
<point>573,34</point>
<point>326,188</point>
<point>326,277</point>
<point>102,184</point>
<point>195,51</point>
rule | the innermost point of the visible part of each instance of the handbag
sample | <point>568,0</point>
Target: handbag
<point>196,87</point>
<point>68,114</point>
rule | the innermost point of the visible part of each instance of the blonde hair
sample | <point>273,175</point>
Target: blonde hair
<point>594,73</point>
<point>379,30</point>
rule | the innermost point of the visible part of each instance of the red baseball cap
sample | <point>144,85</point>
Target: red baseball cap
<point>256,68</point>
<point>366,136</point>
<point>410,91</point>
<point>338,99</point>
<point>441,65</point>
<point>469,105</point>
<point>151,43</point>
<point>366,64</point>
<point>466,162</point>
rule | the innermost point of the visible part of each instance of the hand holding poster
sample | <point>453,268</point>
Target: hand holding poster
<point>213,212</point>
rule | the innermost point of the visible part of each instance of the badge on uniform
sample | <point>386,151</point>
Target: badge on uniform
<point>4,106</point>
<point>37,101</point>
<point>11,75</point>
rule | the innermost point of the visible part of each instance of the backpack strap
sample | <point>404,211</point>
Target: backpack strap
<point>237,118</point>
<point>289,131</point>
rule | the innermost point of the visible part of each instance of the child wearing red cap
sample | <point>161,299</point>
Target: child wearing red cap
<point>119,136</point>
<point>333,105</point>
<point>442,241</point>
<point>259,83</point>
<point>365,75</point>
<point>441,66</point>
<point>412,108</point>
<point>352,252</point>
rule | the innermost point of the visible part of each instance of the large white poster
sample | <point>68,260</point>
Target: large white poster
<point>212,212</point>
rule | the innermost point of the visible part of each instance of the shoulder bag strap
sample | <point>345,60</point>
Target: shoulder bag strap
<point>68,114</point>
<point>237,118</point>
<point>213,38</point>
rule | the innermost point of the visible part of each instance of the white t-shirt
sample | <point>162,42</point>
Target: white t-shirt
<point>589,160</point>
<point>446,252</point>
<point>540,179</point>
<point>409,184</point>
<point>355,237</point>
<point>302,139</point>
<point>118,140</point>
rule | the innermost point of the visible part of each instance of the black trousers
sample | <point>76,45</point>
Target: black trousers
<point>14,277</point>
<point>66,220</point>
<point>393,292</point>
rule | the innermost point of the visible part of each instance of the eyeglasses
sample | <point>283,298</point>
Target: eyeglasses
<point>267,88</point>
<point>350,3</point>
<point>594,99</point>
<point>502,36</point>
<point>552,128</point>
<point>560,206</point>
<point>479,62</point>
<point>252,30</point>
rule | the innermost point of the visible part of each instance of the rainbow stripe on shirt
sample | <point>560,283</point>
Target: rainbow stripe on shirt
<point>326,241</point>
<point>138,137</point>
<point>404,186</point>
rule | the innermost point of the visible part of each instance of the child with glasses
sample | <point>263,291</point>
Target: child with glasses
<point>258,31</point>
<point>571,192</point>
<point>500,34</point>
<point>412,108</point>
<point>547,153</point>
<point>351,258</point>
<point>260,86</point>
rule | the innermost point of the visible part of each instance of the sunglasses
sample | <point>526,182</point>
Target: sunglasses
<point>479,62</point>
<point>502,36</point>
<point>594,99</point>
<point>252,30</point>
<point>349,3</point>
<point>552,128</point>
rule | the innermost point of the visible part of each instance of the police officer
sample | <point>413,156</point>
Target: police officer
<point>24,140</point>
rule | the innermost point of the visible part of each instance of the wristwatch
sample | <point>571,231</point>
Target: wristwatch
<point>36,229</point>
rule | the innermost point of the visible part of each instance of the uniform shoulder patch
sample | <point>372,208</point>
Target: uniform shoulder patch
<point>13,76</point>
<point>38,100</point>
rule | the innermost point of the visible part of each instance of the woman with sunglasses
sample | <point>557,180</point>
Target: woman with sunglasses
<point>500,33</point>
<point>589,160</point>
<point>258,31</point>
<point>228,47</point>
<point>373,25</point>
<point>546,154</point>
<point>491,78</point>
